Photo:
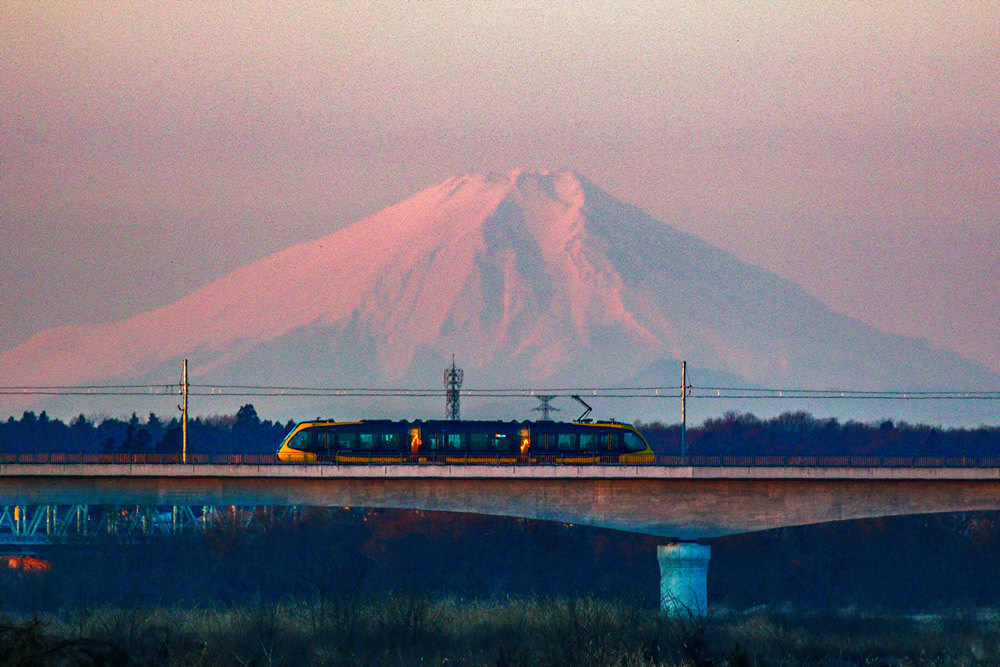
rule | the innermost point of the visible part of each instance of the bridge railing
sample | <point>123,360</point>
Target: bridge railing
<point>500,458</point>
<point>98,458</point>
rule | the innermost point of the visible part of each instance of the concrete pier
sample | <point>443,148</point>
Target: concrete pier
<point>684,578</point>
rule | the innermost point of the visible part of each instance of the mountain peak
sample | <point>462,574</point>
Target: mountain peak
<point>530,278</point>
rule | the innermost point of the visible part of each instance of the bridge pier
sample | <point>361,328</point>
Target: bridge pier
<point>684,578</point>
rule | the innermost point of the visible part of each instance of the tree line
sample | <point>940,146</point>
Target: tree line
<point>802,434</point>
<point>244,433</point>
<point>733,434</point>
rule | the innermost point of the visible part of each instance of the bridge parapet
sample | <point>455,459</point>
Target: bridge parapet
<point>731,471</point>
<point>438,458</point>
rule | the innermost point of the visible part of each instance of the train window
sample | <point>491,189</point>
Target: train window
<point>434,441</point>
<point>388,441</point>
<point>454,441</point>
<point>347,440</point>
<point>479,440</point>
<point>633,443</point>
<point>588,441</point>
<point>566,441</point>
<point>367,440</point>
<point>501,442</point>
<point>303,440</point>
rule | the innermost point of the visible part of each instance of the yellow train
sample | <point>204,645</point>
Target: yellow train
<point>444,441</point>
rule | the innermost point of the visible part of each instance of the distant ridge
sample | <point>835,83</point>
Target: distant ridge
<point>532,278</point>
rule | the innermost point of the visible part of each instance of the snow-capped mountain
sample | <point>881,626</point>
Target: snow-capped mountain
<point>529,279</point>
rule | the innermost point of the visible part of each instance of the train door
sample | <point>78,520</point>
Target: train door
<point>436,441</point>
<point>545,442</point>
<point>325,438</point>
<point>613,441</point>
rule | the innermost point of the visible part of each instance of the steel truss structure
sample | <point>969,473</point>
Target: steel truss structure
<point>39,525</point>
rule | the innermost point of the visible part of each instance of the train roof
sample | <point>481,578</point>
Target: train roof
<point>497,423</point>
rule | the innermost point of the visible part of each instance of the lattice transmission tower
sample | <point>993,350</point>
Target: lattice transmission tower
<point>546,407</point>
<point>453,384</point>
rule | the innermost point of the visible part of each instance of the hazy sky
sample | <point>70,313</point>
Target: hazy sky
<point>853,148</point>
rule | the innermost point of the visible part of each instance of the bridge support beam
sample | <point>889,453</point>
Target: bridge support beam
<point>684,578</point>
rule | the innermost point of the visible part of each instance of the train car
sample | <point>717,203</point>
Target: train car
<point>445,441</point>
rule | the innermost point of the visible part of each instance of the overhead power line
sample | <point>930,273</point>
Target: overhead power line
<point>839,394</point>
<point>93,390</point>
<point>646,392</point>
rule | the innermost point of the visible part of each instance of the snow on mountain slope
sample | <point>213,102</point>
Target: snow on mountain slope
<point>529,278</point>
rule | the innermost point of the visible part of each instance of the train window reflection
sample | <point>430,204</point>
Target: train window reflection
<point>633,443</point>
<point>302,440</point>
<point>454,441</point>
<point>566,441</point>
<point>588,441</point>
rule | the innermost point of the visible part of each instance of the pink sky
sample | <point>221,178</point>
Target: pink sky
<point>852,148</point>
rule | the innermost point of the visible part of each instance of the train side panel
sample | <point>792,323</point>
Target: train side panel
<point>385,441</point>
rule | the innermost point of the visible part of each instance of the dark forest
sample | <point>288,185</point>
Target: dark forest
<point>789,434</point>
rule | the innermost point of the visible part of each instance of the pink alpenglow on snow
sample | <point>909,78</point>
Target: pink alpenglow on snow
<point>532,278</point>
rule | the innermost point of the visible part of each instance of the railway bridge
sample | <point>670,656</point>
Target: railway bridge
<point>680,503</point>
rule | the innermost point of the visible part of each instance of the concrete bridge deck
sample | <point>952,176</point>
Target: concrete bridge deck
<point>680,502</point>
<point>493,470</point>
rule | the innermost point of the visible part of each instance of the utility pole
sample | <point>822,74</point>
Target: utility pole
<point>685,387</point>
<point>184,413</point>
<point>453,383</point>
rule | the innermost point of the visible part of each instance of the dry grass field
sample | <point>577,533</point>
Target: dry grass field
<point>407,629</point>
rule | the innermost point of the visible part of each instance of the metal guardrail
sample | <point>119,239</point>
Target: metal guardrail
<point>458,458</point>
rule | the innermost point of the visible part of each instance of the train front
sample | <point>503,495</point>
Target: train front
<point>296,446</point>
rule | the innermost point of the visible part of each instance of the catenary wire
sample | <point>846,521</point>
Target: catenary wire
<point>645,392</point>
